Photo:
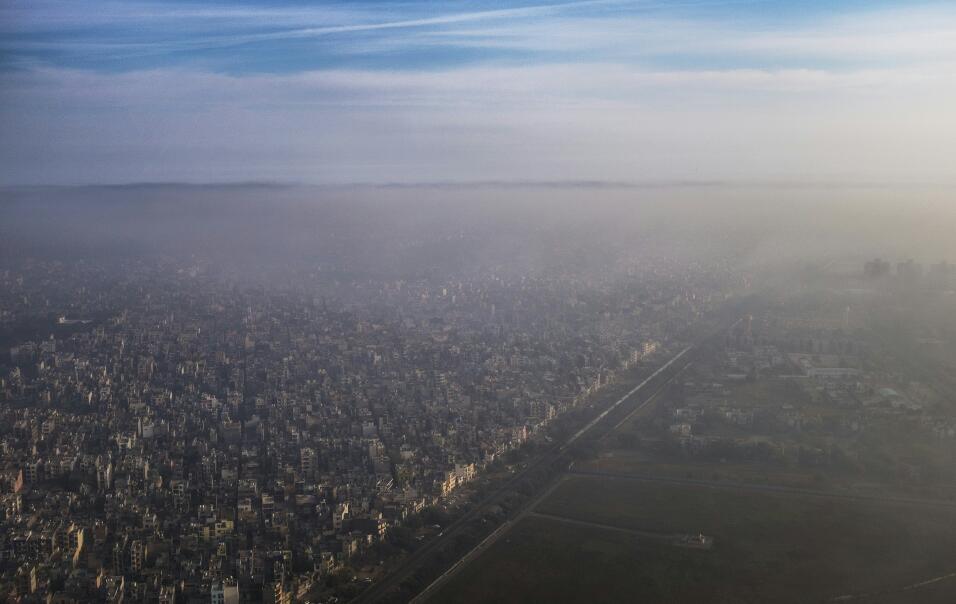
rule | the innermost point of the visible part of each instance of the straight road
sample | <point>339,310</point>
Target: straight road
<point>630,393</point>
<point>484,545</point>
<point>660,379</point>
<point>651,386</point>
<point>655,382</point>
<point>607,527</point>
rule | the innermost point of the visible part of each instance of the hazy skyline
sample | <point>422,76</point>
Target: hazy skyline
<point>623,92</point>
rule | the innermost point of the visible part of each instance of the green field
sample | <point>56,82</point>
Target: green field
<point>768,548</point>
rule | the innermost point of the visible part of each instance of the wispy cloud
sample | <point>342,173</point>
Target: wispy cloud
<point>248,26</point>
<point>605,30</point>
<point>878,36</point>
<point>59,15</point>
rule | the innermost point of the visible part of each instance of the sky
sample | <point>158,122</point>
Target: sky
<point>799,93</point>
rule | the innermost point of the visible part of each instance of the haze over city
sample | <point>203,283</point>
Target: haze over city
<point>467,301</point>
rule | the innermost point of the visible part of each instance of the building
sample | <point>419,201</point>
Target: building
<point>226,592</point>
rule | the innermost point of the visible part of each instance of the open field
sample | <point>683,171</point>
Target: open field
<point>636,462</point>
<point>768,548</point>
<point>543,560</point>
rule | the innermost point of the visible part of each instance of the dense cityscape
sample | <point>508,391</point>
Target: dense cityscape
<point>168,435</point>
<point>165,434</point>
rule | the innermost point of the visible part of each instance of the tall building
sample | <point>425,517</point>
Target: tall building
<point>226,592</point>
<point>307,460</point>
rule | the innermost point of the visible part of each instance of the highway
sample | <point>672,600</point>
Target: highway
<point>651,385</point>
<point>645,392</point>
<point>529,508</point>
<point>631,393</point>
<point>485,544</point>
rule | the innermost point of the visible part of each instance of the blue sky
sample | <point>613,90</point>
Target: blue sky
<point>268,37</point>
<point>339,92</point>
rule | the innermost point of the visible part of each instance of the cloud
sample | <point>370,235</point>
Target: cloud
<point>248,25</point>
<point>601,122</point>
<point>59,15</point>
<point>596,30</point>
<point>878,35</point>
<point>850,99</point>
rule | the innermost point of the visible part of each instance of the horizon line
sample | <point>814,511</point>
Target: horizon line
<point>490,184</point>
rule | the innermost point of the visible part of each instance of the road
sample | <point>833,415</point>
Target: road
<point>654,383</point>
<point>606,527</point>
<point>630,393</point>
<point>657,380</point>
<point>485,544</point>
